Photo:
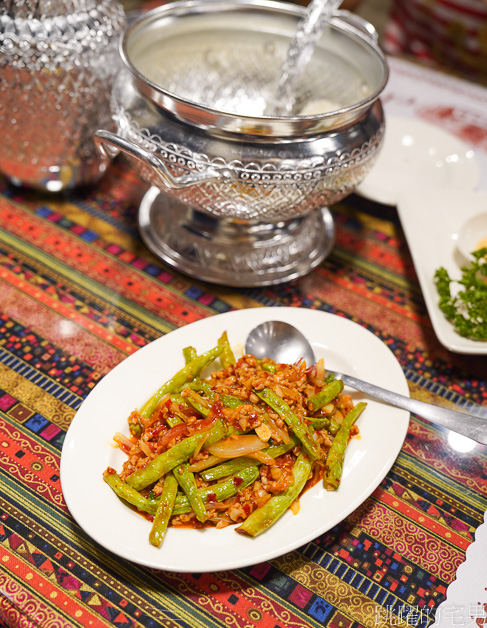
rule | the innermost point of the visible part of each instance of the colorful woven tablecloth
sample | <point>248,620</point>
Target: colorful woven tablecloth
<point>79,292</point>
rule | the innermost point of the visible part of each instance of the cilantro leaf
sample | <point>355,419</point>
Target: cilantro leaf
<point>467,309</point>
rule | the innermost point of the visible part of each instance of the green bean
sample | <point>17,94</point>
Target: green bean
<point>231,402</point>
<point>322,423</point>
<point>229,467</point>
<point>191,401</point>
<point>300,429</point>
<point>228,400</point>
<point>127,493</point>
<point>181,378</point>
<point>177,416</point>
<point>200,386</point>
<point>222,490</point>
<point>189,354</point>
<point>135,429</point>
<point>197,402</point>
<point>262,518</point>
<point>227,356</point>
<point>173,420</point>
<point>326,395</point>
<point>186,481</point>
<point>334,426</point>
<point>178,399</point>
<point>275,451</point>
<point>336,454</point>
<point>164,511</point>
<point>171,458</point>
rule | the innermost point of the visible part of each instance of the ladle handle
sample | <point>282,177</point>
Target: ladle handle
<point>110,144</point>
<point>466,424</point>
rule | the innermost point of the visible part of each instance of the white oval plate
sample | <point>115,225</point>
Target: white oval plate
<point>416,154</point>
<point>88,447</point>
<point>432,221</point>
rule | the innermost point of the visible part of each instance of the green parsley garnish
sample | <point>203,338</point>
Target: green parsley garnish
<point>467,309</point>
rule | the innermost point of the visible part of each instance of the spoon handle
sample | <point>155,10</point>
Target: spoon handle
<point>471,426</point>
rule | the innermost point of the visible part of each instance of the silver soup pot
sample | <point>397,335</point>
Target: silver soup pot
<point>240,197</point>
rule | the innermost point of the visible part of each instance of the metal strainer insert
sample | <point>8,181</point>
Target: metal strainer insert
<point>230,69</point>
<point>226,58</point>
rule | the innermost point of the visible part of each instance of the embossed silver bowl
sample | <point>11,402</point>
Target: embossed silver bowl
<point>58,60</point>
<point>239,197</point>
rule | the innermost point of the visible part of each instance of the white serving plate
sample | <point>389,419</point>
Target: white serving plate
<point>432,221</point>
<point>88,448</point>
<point>417,154</point>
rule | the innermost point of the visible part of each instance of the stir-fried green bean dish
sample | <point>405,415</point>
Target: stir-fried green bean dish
<point>236,447</point>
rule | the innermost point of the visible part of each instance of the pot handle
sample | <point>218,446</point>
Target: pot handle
<point>359,23</point>
<point>110,144</point>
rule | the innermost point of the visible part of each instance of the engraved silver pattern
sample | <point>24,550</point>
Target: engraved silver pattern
<point>255,190</point>
<point>58,61</point>
<point>205,247</point>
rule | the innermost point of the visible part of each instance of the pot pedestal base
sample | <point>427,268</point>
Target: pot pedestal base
<point>231,253</point>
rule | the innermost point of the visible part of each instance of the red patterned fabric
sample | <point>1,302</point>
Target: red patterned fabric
<point>451,33</point>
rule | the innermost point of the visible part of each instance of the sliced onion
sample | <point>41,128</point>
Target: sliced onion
<point>200,445</point>
<point>279,391</point>
<point>123,442</point>
<point>278,434</point>
<point>201,400</point>
<point>316,374</point>
<point>181,429</point>
<point>225,505</point>
<point>162,402</point>
<point>329,408</point>
<point>320,369</point>
<point>235,446</point>
<point>201,465</point>
<point>261,456</point>
<point>144,447</point>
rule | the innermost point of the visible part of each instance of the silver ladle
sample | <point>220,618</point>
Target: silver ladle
<point>299,53</point>
<point>284,343</point>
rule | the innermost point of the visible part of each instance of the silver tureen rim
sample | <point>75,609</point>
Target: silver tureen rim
<point>206,117</point>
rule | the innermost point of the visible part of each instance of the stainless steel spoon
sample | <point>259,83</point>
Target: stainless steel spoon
<point>284,343</point>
